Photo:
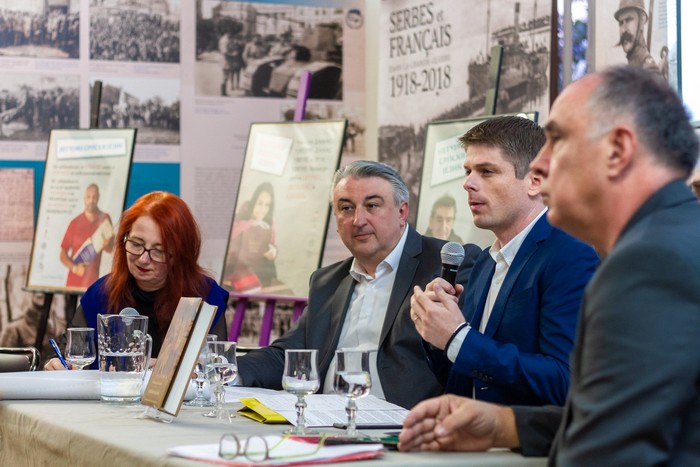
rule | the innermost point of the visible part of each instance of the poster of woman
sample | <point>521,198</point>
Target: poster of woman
<point>282,208</point>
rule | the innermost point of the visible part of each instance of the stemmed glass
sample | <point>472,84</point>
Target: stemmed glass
<point>300,378</point>
<point>80,348</point>
<point>200,400</point>
<point>353,380</point>
<point>220,368</point>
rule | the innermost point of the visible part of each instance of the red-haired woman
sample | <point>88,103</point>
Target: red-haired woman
<point>155,263</point>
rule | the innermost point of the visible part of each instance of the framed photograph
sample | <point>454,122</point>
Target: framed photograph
<point>442,202</point>
<point>282,206</point>
<point>640,33</point>
<point>82,196</point>
<point>689,67</point>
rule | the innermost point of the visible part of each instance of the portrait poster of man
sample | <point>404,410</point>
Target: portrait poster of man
<point>636,32</point>
<point>443,209</point>
<point>282,206</point>
<point>82,196</point>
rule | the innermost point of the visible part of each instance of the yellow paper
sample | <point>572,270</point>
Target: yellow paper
<point>259,412</point>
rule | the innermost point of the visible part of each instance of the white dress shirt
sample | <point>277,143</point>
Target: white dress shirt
<point>364,320</point>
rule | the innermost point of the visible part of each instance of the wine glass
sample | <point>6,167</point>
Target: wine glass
<point>300,378</point>
<point>80,348</point>
<point>200,400</point>
<point>220,368</point>
<point>353,380</point>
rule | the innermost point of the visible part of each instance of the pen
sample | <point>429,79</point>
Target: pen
<point>58,353</point>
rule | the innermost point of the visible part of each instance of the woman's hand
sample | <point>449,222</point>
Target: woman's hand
<point>54,364</point>
<point>271,252</point>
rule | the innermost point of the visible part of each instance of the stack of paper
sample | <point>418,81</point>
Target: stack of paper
<point>288,452</point>
<point>322,409</point>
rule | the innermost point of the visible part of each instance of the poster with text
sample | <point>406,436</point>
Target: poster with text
<point>433,67</point>
<point>83,193</point>
<point>443,211</point>
<point>283,206</point>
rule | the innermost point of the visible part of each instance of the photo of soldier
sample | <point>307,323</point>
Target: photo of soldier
<point>632,18</point>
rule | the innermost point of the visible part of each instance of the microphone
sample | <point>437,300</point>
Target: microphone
<point>128,311</point>
<point>452,255</point>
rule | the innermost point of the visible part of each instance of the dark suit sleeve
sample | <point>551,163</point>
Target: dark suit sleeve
<point>635,377</point>
<point>531,368</point>
<point>263,367</point>
<point>537,427</point>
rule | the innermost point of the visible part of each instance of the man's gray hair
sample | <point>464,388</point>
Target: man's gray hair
<point>646,101</point>
<point>366,169</point>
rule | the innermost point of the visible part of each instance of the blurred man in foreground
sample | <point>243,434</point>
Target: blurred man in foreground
<point>619,149</point>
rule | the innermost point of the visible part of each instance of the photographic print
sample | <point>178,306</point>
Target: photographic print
<point>442,210</point>
<point>261,49</point>
<point>39,28</point>
<point>21,311</point>
<point>635,32</point>
<point>128,31</point>
<point>151,105</point>
<point>16,204</point>
<point>82,197</point>
<point>32,104</point>
<point>282,207</point>
<point>437,69</point>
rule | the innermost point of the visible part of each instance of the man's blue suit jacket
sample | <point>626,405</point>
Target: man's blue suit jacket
<point>523,355</point>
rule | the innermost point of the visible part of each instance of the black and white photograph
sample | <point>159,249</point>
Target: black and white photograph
<point>32,104</point>
<point>129,31</point>
<point>39,28</point>
<point>443,75</point>
<point>21,312</point>
<point>150,105</point>
<point>354,134</point>
<point>261,49</point>
<point>635,32</point>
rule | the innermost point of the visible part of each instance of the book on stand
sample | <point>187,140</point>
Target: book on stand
<point>95,243</point>
<point>177,358</point>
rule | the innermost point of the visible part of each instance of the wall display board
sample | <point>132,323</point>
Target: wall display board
<point>282,206</point>
<point>689,64</point>
<point>639,32</point>
<point>443,210</point>
<point>85,182</point>
<point>435,67</point>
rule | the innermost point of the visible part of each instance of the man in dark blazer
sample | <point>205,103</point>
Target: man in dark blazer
<point>370,203</point>
<point>511,341</point>
<point>619,147</point>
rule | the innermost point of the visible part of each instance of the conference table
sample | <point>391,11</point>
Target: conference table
<point>89,432</point>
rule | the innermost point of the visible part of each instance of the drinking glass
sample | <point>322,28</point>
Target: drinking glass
<point>220,368</point>
<point>353,380</point>
<point>300,378</point>
<point>200,400</point>
<point>80,348</point>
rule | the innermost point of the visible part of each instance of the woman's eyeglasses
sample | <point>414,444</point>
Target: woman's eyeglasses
<point>136,248</point>
<point>255,448</point>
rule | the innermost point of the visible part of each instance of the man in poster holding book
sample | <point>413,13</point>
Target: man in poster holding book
<point>86,237</point>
